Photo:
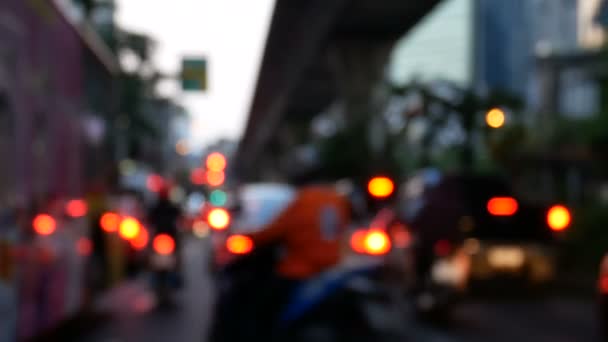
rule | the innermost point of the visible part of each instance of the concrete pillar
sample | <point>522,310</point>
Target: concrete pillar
<point>359,68</point>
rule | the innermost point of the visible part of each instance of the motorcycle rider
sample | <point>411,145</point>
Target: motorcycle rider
<point>164,217</point>
<point>310,232</point>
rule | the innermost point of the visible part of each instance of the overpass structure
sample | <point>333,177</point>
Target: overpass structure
<point>319,51</point>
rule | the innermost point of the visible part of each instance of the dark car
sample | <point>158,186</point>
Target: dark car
<point>472,229</point>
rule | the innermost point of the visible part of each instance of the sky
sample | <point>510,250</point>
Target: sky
<point>229,33</point>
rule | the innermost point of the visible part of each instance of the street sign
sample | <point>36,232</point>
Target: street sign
<point>194,74</point>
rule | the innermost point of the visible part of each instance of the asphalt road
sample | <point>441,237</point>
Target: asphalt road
<point>554,318</point>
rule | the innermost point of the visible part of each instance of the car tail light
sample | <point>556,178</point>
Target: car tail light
<point>502,206</point>
<point>44,224</point>
<point>239,244</point>
<point>141,240</point>
<point>163,244</point>
<point>376,242</point>
<point>357,241</point>
<point>76,208</point>
<point>380,187</point>
<point>558,218</point>
<point>218,219</point>
<point>129,228</point>
<point>109,222</point>
<point>442,248</point>
<point>602,284</point>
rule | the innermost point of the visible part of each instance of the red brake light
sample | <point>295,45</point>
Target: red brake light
<point>502,206</point>
<point>376,242</point>
<point>163,244</point>
<point>141,240</point>
<point>442,248</point>
<point>239,244</point>
<point>76,208</point>
<point>381,187</point>
<point>603,284</point>
<point>558,218</point>
<point>357,241</point>
<point>44,224</point>
<point>109,222</point>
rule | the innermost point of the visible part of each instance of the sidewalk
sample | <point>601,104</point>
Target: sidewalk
<point>129,297</point>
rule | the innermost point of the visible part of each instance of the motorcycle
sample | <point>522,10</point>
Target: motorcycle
<point>345,303</point>
<point>443,284</point>
<point>164,268</point>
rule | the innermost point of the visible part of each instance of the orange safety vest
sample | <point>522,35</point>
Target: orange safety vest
<point>311,230</point>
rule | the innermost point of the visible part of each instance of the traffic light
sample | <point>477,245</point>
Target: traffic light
<point>218,198</point>
<point>216,162</point>
<point>216,166</point>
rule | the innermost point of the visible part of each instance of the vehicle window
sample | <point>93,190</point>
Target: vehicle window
<point>259,206</point>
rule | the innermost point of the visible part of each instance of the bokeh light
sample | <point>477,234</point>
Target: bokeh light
<point>163,244</point>
<point>198,176</point>
<point>129,228</point>
<point>182,148</point>
<point>155,182</point>
<point>377,242</point>
<point>44,224</point>
<point>109,222</point>
<point>502,206</point>
<point>239,244</point>
<point>381,187</point>
<point>218,219</point>
<point>141,240</point>
<point>559,218</point>
<point>76,208</point>
<point>215,178</point>
<point>216,162</point>
<point>200,229</point>
<point>357,241</point>
<point>495,118</point>
<point>218,198</point>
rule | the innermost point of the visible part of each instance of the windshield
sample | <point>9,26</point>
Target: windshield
<point>260,204</point>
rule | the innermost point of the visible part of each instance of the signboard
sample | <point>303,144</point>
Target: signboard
<point>194,74</point>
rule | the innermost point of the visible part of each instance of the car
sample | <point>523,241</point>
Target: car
<point>256,205</point>
<point>471,230</point>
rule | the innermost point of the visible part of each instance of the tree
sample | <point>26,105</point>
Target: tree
<point>463,103</point>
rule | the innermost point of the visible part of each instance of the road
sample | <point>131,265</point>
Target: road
<point>135,317</point>
<point>554,319</point>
